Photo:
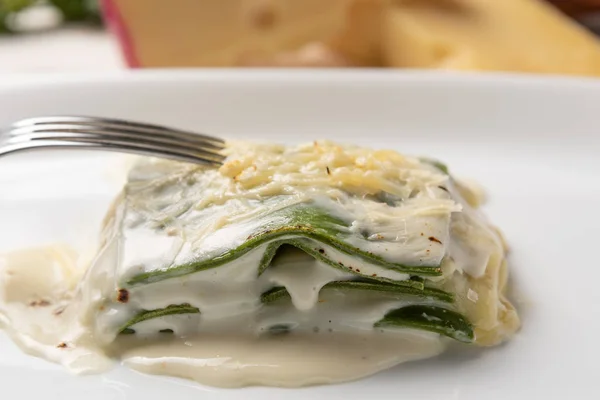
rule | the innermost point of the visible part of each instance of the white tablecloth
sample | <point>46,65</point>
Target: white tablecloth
<point>63,50</point>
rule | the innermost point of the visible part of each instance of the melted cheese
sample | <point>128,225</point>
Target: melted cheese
<point>355,170</point>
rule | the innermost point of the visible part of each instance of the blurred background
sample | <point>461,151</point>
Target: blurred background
<point>533,36</point>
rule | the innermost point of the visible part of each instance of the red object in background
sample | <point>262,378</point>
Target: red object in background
<point>113,19</point>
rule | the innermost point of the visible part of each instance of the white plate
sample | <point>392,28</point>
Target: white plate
<point>533,143</point>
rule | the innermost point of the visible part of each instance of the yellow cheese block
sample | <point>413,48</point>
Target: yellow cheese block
<point>228,32</point>
<point>506,35</point>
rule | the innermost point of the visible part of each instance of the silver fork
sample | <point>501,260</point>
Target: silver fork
<point>93,133</point>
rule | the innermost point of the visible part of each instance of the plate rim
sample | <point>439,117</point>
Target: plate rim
<point>317,75</point>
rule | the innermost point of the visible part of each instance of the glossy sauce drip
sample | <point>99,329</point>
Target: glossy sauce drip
<point>285,360</point>
<point>40,313</point>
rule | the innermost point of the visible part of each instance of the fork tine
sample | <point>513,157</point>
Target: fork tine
<point>51,131</point>
<point>114,135</point>
<point>132,149</point>
<point>132,143</point>
<point>116,124</point>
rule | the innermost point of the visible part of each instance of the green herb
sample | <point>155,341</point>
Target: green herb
<point>300,222</point>
<point>430,318</point>
<point>71,10</point>
<point>439,165</point>
<point>78,10</point>
<point>158,313</point>
<point>279,292</point>
<point>279,329</point>
<point>424,317</point>
<point>309,248</point>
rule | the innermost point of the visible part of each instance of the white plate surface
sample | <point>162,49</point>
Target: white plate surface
<point>532,142</point>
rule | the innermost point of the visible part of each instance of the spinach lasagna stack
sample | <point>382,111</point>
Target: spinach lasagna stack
<point>312,239</point>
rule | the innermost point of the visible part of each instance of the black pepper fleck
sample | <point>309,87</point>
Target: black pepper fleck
<point>434,239</point>
<point>122,296</point>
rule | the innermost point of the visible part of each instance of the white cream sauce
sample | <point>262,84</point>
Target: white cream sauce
<point>229,345</point>
<point>303,276</point>
<point>38,312</point>
<point>285,361</point>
